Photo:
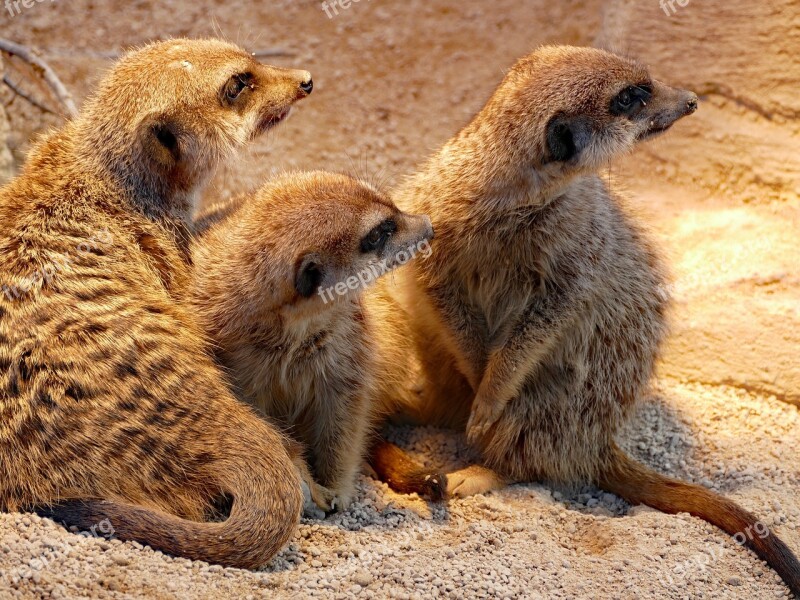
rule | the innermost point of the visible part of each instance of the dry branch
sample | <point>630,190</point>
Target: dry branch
<point>54,83</point>
<point>23,94</point>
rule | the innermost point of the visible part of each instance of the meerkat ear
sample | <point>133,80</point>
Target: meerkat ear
<point>161,138</point>
<point>166,135</point>
<point>308,275</point>
<point>566,137</point>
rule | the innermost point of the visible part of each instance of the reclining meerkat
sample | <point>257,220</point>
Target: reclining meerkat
<point>111,406</point>
<point>280,288</point>
<point>540,315</point>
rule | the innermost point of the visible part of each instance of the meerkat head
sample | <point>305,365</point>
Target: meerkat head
<point>167,114</point>
<point>575,109</point>
<point>329,236</point>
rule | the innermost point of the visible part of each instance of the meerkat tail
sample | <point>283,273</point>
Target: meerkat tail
<point>267,503</point>
<point>639,484</point>
<point>403,474</point>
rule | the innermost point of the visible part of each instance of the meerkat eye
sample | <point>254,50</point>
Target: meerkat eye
<point>376,239</point>
<point>235,86</point>
<point>630,100</point>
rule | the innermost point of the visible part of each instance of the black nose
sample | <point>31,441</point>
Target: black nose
<point>307,86</point>
<point>691,104</point>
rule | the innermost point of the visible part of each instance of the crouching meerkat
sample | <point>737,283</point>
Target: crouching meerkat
<point>111,406</point>
<point>540,315</point>
<point>280,287</point>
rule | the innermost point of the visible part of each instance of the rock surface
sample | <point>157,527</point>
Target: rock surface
<point>741,58</point>
<point>732,218</point>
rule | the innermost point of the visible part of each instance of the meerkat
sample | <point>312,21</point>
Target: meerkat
<point>111,405</point>
<point>540,315</point>
<point>280,288</point>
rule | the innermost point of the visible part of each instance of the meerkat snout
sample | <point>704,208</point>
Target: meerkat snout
<point>691,103</point>
<point>307,85</point>
<point>410,236</point>
<point>656,108</point>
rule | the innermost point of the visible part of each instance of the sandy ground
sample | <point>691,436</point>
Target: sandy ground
<point>393,81</point>
<point>528,541</point>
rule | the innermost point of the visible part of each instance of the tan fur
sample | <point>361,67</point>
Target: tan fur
<point>305,359</point>
<point>111,406</point>
<point>540,316</point>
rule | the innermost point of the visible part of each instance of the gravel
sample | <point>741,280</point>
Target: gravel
<point>528,541</point>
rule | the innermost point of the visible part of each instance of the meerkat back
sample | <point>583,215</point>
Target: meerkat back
<point>112,408</point>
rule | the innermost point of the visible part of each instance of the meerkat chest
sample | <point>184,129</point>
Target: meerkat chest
<point>500,284</point>
<point>317,361</point>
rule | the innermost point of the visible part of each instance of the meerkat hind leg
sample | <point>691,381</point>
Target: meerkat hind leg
<point>473,480</point>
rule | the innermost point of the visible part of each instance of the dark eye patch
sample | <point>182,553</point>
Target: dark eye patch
<point>631,100</point>
<point>376,239</point>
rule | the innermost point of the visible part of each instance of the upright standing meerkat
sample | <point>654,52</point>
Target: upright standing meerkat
<point>280,287</point>
<point>540,315</point>
<point>111,406</point>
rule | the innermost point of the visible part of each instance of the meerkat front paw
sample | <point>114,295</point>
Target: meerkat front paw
<point>483,415</point>
<point>317,497</point>
<point>322,497</point>
<point>328,500</point>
